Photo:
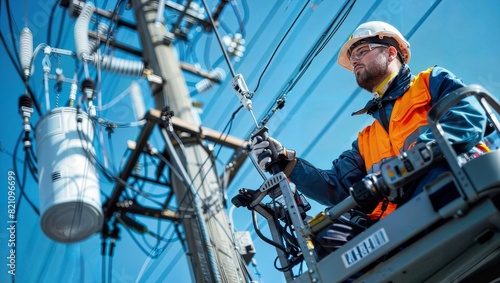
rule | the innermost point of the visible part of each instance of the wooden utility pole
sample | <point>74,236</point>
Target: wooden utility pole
<point>209,238</point>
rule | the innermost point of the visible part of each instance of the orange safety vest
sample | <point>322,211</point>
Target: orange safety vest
<point>408,117</point>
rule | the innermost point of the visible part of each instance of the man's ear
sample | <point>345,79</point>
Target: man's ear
<point>393,52</point>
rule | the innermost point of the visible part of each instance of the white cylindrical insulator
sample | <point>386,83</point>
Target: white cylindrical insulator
<point>137,100</point>
<point>102,30</point>
<point>82,29</point>
<point>203,85</point>
<point>73,90</point>
<point>206,84</point>
<point>26,50</point>
<point>70,200</point>
<point>159,14</point>
<point>121,66</point>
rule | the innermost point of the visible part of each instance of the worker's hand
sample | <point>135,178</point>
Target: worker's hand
<point>261,150</point>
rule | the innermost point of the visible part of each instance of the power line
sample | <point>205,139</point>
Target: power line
<point>262,60</point>
<point>258,34</point>
<point>307,61</point>
<point>12,26</point>
<point>279,44</point>
<point>51,19</point>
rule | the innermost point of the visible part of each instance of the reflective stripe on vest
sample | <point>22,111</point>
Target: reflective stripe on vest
<point>408,119</point>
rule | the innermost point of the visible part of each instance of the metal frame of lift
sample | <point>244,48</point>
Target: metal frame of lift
<point>428,239</point>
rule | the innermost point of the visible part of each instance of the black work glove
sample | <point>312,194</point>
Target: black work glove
<point>261,150</point>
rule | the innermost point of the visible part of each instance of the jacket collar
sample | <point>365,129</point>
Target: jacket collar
<point>398,87</point>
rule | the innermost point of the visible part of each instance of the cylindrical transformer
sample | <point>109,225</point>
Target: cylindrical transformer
<point>70,200</point>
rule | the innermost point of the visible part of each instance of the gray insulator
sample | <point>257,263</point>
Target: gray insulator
<point>26,50</point>
<point>82,29</point>
<point>122,66</point>
<point>102,30</point>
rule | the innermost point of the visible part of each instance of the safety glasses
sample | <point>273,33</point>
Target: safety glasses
<point>360,51</point>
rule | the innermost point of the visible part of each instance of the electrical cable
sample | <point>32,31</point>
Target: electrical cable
<point>51,18</point>
<point>90,155</point>
<point>2,150</point>
<point>264,238</point>
<point>111,148</point>
<point>31,166</point>
<point>107,173</point>
<point>12,26</point>
<point>103,268</point>
<point>279,102</point>
<point>225,27</point>
<point>61,24</point>
<point>172,264</point>
<point>208,43</point>
<point>104,237</point>
<point>111,30</point>
<point>306,62</point>
<point>261,30</point>
<point>282,269</point>
<point>117,98</point>
<point>246,12</point>
<point>21,186</point>
<point>191,45</point>
<point>202,165</point>
<point>143,268</point>
<point>259,62</point>
<point>219,39</point>
<point>114,235</point>
<point>11,57</point>
<point>237,12</point>
<point>145,241</point>
<point>279,44</point>
<point>132,236</point>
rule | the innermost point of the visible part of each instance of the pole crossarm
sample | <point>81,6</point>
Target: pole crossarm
<point>182,128</point>
<point>132,207</point>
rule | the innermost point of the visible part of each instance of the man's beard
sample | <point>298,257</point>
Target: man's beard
<point>370,78</point>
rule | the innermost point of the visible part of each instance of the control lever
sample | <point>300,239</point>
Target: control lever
<point>246,197</point>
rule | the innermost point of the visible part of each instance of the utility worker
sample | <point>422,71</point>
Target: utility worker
<point>378,54</point>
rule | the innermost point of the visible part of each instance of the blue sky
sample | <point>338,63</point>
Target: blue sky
<point>461,36</point>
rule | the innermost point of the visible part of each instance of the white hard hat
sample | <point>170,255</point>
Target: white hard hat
<point>374,32</point>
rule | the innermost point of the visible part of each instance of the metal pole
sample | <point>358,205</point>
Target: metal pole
<point>160,57</point>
